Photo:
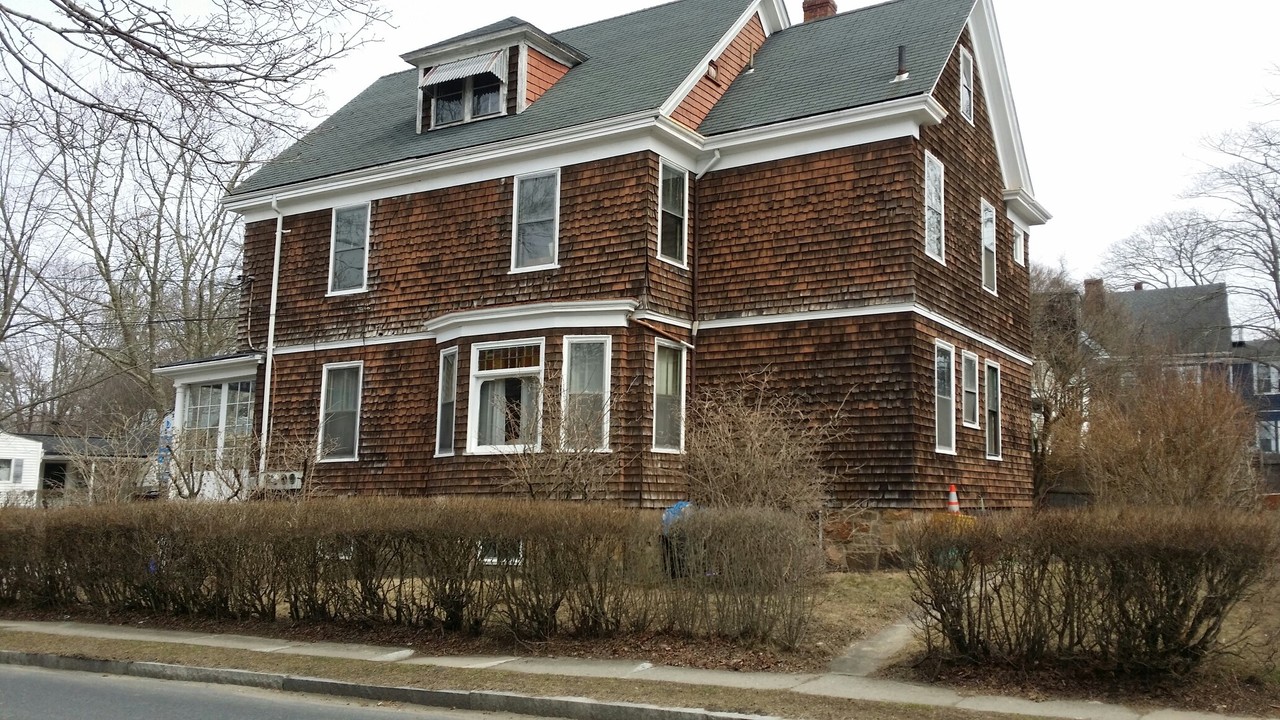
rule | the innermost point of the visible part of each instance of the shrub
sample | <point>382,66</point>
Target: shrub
<point>1125,590</point>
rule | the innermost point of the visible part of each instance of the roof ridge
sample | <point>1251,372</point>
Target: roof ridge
<point>623,15</point>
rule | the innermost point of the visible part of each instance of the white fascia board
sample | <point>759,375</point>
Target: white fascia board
<point>663,318</point>
<point>487,43</point>
<point>348,344</point>
<point>1024,210</point>
<point>775,16</point>
<point>536,316</point>
<point>584,143</point>
<point>846,128</point>
<point>691,80</point>
<point>212,370</point>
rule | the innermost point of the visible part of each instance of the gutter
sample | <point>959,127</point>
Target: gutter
<point>264,435</point>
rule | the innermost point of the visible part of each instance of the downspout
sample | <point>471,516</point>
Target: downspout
<point>265,434</point>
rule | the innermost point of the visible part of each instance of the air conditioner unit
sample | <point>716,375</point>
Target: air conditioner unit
<point>286,480</point>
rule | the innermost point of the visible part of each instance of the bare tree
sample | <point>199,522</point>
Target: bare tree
<point>1180,248</point>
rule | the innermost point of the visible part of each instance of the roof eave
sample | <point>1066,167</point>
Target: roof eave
<point>562,52</point>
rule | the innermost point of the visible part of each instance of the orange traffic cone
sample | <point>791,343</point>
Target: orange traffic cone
<point>953,500</point>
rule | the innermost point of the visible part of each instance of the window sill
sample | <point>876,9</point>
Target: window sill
<point>945,451</point>
<point>502,449</point>
<point>940,259</point>
<point>326,461</point>
<point>444,455</point>
<point>683,265</point>
<point>667,451</point>
<point>991,292</point>
<point>974,426</point>
<point>535,268</point>
<point>996,458</point>
<point>351,291</point>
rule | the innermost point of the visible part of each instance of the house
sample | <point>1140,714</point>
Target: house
<point>1257,376</point>
<point>19,470</point>
<point>593,224</point>
<point>49,470</point>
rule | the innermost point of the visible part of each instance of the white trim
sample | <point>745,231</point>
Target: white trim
<point>938,447</point>
<point>966,57</point>
<point>453,419</point>
<point>324,396</point>
<point>1024,209</point>
<point>664,319</point>
<point>606,379</point>
<point>555,222</point>
<point>522,81</point>
<point>863,311</point>
<point>999,424</point>
<point>684,392</point>
<point>477,377</point>
<point>222,370</point>
<point>977,389</point>
<point>984,209</point>
<point>521,34</point>
<point>374,341</point>
<point>683,261</point>
<point>691,80</point>
<point>1019,246</point>
<point>941,256</point>
<point>535,316</point>
<point>333,242</point>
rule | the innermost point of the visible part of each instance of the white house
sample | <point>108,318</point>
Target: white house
<point>20,460</point>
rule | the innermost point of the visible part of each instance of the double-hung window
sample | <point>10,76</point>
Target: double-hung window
<point>340,411</point>
<point>672,224</point>
<point>1019,246</point>
<point>585,402</point>
<point>349,249</point>
<point>1266,379</point>
<point>988,247</point>
<point>966,85</point>
<point>7,471</point>
<point>994,444</point>
<point>505,403</point>
<point>969,365</point>
<point>536,221</point>
<point>935,241</point>
<point>668,397</point>
<point>944,388</point>
<point>447,402</point>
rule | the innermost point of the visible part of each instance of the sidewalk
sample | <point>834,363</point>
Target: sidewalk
<point>831,684</point>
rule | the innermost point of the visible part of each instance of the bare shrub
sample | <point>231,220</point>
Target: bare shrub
<point>1121,589</point>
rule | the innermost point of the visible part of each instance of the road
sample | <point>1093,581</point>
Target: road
<point>39,694</point>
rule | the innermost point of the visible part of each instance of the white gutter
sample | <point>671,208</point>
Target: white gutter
<point>264,437</point>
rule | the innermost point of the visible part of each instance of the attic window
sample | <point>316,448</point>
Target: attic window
<point>465,90</point>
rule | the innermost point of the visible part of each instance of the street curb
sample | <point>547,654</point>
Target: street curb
<point>478,700</point>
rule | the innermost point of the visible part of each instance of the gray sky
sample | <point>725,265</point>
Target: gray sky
<point>1116,98</point>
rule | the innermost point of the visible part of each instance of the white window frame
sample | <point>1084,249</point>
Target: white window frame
<point>966,85</point>
<point>468,95</point>
<point>684,387</point>
<point>1272,374</point>
<point>683,260</point>
<point>8,471</point>
<point>1271,428</point>
<point>998,425</point>
<point>333,247</point>
<point>473,397</point>
<point>606,378</point>
<point>970,378</point>
<point>440,395</point>
<point>324,400</point>
<point>1019,246</point>
<point>940,347</point>
<point>941,201</point>
<point>988,233</point>
<point>224,391</point>
<point>515,222</point>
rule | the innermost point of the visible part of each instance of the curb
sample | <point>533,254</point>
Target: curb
<point>562,707</point>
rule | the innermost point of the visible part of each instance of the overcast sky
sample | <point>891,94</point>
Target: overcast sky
<point>1116,98</point>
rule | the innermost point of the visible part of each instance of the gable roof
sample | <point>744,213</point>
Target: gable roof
<point>844,61</point>
<point>510,23</point>
<point>1185,320</point>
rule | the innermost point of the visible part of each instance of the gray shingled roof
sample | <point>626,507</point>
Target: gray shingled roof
<point>635,62</point>
<point>1185,320</point>
<point>844,61</point>
<point>504,24</point>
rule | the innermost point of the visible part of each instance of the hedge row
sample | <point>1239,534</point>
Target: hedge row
<point>535,568</point>
<point>1133,590</point>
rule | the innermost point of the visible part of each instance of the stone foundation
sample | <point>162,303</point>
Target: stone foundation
<point>864,540</point>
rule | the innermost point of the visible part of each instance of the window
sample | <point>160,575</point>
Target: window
<point>935,242</point>
<point>1266,379</point>
<point>966,85</point>
<point>447,402</point>
<point>970,379</point>
<point>537,209</point>
<point>668,397</point>
<point>993,411</point>
<point>340,411</point>
<point>218,418</point>
<point>988,247</point>
<point>672,225</point>
<point>6,472</point>
<point>465,90</point>
<point>506,392</point>
<point>349,249</point>
<point>1268,436</point>
<point>1019,246</point>
<point>944,358</point>
<point>585,405</point>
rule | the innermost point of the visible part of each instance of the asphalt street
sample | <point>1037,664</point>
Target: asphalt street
<point>39,694</point>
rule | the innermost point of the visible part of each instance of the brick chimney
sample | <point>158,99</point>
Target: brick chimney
<point>1094,295</point>
<point>818,9</point>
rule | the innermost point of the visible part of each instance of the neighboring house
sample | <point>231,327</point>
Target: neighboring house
<point>1189,327</point>
<point>49,470</point>
<point>19,470</point>
<point>606,220</point>
<point>1258,378</point>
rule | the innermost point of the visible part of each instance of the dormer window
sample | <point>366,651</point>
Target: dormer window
<point>465,90</point>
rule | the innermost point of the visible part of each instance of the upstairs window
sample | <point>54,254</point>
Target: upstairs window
<point>966,85</point>
<point>465,90</point>
<point>536,221</point>
<point>1019,246</point>
<point>1266,379</point>
<point>349,249</point>
<point>935,242</point>
<point>988,247</point>
<point>675,204</point>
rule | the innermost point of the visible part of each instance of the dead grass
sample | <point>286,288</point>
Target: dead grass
<point>764,702</point>
<point>856,605</point>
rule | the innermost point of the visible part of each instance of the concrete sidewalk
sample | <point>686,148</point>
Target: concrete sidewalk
<point>832,684</point>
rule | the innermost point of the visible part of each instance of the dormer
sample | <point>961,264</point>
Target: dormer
<point>497,70</point>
